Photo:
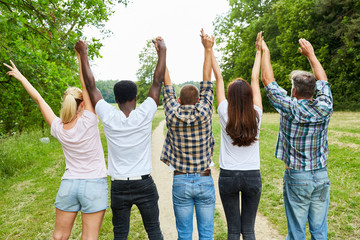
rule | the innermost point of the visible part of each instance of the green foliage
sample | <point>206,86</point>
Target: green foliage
<point>331,27</point>
<point>145,74</point>
<point>39,36</point>
<point>107,89</point>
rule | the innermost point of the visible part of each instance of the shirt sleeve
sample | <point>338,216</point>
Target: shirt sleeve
<point>104,110</point>
<point>169,99</point>
<point>54,127</point>
<point>206,96</point>
<point>324,96</point>
<point>89,118</point>
<point>278,98</point>
<point>222,111</point>
<point>148,108</point>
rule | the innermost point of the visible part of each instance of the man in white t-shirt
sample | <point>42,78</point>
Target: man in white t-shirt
<point>128,134</point>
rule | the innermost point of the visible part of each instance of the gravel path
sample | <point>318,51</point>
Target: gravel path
<point>163,179</point>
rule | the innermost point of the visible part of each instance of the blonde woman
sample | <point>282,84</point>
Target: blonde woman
<point>84,186</point>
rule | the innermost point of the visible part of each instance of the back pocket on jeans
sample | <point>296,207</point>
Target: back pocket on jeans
<point>299,192</point>
<point>325,191</point>
<point>95,189</point>
<point>65,188</point>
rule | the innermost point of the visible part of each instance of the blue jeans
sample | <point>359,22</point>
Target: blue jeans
<point>306,198</point>
<point>189,191</point>
<point>144,195</point>
<point>248,183</point>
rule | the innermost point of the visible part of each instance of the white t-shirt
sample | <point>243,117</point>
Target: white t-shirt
<point>128,139</point>
<point>233,157</point>
<point>82,147</point>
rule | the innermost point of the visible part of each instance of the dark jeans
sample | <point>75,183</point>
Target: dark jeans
<point>248,183</point>
<point>144,195</point>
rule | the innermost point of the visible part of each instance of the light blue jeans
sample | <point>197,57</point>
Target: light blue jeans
<point>306,198</point>
<point>189,191</point>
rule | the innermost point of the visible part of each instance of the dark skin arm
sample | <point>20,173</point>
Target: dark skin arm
<point>155,89</point>
<point>94,93</point>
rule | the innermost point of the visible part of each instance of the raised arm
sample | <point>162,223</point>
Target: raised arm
<point>208,43</point>
<point>86,97</point>
<point>220,91</point>
<point>255,86</point>
<point>307,50</point>
<point>155,89</point>
<point>167,80</point>
<point>94,93</point>
<point>267,74</point>
<point>45,109</point>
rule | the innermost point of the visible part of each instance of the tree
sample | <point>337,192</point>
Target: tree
<point>145,74</point>
<point>107,89</point>
<point>331,26</point>
<point>39,37</point>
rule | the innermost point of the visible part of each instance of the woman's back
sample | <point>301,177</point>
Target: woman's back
<point>82,147</point>
<point>233,157</point>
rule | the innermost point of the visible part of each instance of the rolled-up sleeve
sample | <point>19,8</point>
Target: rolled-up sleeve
<point>324,97</point>
<point>169,99</point>
<point>206,95</point>
<point>278,97</point>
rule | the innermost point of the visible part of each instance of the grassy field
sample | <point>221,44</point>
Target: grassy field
<point>31,174</point>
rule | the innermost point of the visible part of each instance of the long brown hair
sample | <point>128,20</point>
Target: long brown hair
<point>242,125</point>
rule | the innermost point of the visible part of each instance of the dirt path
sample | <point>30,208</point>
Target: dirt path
<point>163,179</point>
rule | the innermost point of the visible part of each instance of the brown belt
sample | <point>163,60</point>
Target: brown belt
<point>204,173</point>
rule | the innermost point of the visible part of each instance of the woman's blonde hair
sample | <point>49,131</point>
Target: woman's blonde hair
<point>71,100</point>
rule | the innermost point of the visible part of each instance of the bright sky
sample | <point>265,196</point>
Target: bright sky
<point>178,22</point>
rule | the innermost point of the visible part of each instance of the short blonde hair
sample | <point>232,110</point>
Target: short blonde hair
<point>71,100</point>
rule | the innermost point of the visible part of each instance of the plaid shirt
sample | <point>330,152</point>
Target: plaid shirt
<point>302,141</point>
<point>189,142</point>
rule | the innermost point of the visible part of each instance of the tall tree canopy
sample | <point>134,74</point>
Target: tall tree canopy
<point>331,26</point>
<point>39,36</point>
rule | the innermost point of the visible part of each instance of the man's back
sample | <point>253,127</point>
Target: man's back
<point>129,138</point>
<point>302,140</point>
<point>189,142</point>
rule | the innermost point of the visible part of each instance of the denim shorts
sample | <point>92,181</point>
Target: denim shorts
<point>85,195</point>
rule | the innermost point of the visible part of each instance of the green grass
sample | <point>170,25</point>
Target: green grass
<point>30,177</point>
<point>343,170</point>
<point>31,174</point>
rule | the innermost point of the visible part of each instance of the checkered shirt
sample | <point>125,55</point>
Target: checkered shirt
<point>302,141</point>
<point>189,142</point>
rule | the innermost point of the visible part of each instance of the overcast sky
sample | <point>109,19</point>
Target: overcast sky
<point>178,22</point>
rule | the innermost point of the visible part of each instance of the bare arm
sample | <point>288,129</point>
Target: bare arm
<point>307,50</point>
<point>86,97</point>
<point>155,89</point>
<point>94,93</point>
<point>255,86</point>
<point>167,80</point>
<point>45,109</point>
<point>208,43</point>
<point>267,74</point>
<point>220,90</point>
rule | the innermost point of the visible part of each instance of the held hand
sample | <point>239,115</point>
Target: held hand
<point>80,47</point>
<point>14,71</point>
<point>306,48</point>
<point>206,40</point>
<point>259,40</point>
<point>159,44</point>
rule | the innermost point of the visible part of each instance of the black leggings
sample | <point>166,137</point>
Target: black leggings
<point>248,183</point>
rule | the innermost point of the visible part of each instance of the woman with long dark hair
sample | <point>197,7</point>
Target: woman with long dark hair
<point>240,116</point>
<point>84,185</point>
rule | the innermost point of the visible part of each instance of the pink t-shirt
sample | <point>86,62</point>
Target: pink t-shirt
<point>82,147</point>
